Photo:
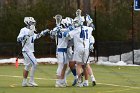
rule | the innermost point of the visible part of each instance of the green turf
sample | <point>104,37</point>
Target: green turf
<point>110,79</point>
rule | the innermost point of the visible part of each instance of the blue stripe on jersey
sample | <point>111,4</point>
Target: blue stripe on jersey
<point>62,50</point>
<point>30,58</point>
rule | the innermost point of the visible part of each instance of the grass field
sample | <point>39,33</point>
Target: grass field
<point>109,80</point>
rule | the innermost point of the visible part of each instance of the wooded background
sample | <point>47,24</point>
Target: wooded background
<point>113,21</point>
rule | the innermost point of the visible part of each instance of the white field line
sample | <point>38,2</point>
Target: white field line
<point>118,85</point>
<point>117,90</point>
<point>56,79</point>
<point>22,77</point>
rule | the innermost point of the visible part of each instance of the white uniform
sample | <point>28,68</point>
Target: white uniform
<point>81,37</point>
<point>28,46</point>
<point>62,43</point>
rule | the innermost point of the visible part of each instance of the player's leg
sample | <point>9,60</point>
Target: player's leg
<point>77,58</point>
<point>33,62</point>
<point>59,80</point>
<point>58,74</point>
<point>72,65</point>
<point>26,70</point>
<point>67,73</point>
<point>84,66</point>
<point>79,68</point>
<point>65,62</point>
<point>86,75</point>
<point>63,74</point>
<point>90,72</point>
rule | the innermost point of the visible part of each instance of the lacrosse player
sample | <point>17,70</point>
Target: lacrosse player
<point>27,37</point>
<point>68,24</point>
<point>61,51</point>
<point>81,35</point>
<point>89,22</point>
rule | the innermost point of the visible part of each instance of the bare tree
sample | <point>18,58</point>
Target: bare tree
<point>86,7</point>
<point>78,4</point>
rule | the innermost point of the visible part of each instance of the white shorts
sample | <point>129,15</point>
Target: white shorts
<point>29,58</point>
<point>69,54</point>
<point>81,55</point>
<point>62,57</point>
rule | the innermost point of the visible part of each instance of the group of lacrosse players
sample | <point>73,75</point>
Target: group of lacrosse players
<point>74,42</point>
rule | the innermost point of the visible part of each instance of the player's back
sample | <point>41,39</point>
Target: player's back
<point>81,38</point>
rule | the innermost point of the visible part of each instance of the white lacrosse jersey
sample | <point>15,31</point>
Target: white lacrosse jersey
<point>81,37</point>
<point>28,45</point>
<point>62,41</point>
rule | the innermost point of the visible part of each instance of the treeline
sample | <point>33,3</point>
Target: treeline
<point>114,17</point>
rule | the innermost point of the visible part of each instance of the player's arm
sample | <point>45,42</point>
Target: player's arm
<point>91,42</point>
<point>70,34</point>
<point>22,36</point>
<point>54,32</point>
<point>42,33</point>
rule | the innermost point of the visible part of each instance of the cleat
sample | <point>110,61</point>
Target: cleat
<point>85,84</point>
<point>74,82</point>
<point>58,85</point>
<point>33,84</point>
<point>79,85</point>
<point>93,83</point>
<point>25,84</point>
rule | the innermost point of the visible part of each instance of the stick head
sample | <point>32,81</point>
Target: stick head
<point>58,19</point>
<point>78,12</point>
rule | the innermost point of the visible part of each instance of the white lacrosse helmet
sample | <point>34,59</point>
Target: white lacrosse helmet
<point>28,20</point>
<point>67,21</point>
<point>78,21</point>
<point>88,19</point>
<point>58,19</point>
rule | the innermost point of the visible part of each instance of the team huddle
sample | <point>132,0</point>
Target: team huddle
<point>74,42</point>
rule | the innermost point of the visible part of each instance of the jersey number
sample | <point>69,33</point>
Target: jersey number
<point>84,34</point>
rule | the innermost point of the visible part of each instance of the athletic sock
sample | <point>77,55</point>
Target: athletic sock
<point>25,80</point>
<point>32,72</point>
<point>86,81</point>
<point>92,78</point>
<point>74,72</point>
